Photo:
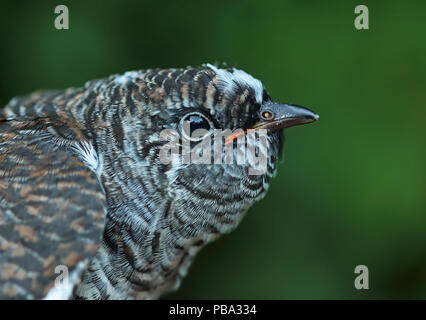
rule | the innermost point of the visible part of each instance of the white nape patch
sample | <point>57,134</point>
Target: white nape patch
<point>89,156</point>
<point>127,76</point>
<point>238,77</point>
<point>65,290</point>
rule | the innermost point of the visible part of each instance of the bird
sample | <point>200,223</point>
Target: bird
<point>89,210</point>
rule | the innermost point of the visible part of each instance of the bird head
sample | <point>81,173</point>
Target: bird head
<point>153,114</point>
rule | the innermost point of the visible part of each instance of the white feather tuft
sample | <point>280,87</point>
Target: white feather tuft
<point>231,80</point>
<point>65,290</point>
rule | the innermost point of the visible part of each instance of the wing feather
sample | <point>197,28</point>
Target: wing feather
<point>52,209</point>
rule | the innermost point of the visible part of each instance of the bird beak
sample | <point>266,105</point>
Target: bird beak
<point>282,116</point>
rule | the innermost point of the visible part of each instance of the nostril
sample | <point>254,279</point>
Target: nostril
<point>267,115</point>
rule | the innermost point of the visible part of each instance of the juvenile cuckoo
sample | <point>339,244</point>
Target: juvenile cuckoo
<point>82,186</point>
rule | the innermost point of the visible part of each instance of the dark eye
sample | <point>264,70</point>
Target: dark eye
<point>267,115</point>
<point>194,121</point>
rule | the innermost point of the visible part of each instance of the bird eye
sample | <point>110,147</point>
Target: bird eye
<point>267,115</point>
<point>194,121</point>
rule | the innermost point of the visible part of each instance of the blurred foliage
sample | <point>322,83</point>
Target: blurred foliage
<point>352,189</point>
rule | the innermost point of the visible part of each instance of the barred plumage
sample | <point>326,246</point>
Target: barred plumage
<point>157,216</point>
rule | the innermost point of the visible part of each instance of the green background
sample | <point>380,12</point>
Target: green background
<point>352,187</point>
